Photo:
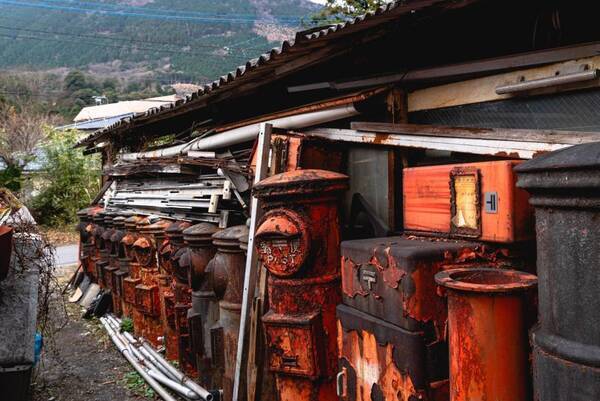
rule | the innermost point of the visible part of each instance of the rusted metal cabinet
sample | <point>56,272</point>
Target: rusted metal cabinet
<point>226,270</point>
<point>298,242</point>
<point>391,326</point>
<point>473,200</point>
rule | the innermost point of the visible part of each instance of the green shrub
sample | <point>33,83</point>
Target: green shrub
<point>70,180</point>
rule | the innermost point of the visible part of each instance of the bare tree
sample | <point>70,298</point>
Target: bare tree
<point>21,130</point>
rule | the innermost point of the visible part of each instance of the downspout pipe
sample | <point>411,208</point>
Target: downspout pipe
<point>247,133</point>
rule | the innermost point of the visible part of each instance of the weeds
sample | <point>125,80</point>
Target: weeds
<point>137,385</point>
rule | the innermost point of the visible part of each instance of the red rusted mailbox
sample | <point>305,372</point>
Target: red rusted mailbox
<point>126,286</point>
<point>101,258</point>
<point>116,253</point>
<point>169,255</point>
<point>133,280</point>
<point>109,231</point>
<point>205,310</point>
<point>226,271</point>
<point>146,292</point>
<point>298,241</point>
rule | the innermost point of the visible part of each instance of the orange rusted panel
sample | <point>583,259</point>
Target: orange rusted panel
<point>487,326</point>
<point>474,200</point>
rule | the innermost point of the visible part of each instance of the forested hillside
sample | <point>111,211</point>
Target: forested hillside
<point>189,40</point>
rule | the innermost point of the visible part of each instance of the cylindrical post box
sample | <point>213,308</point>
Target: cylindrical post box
<point>169,255</point>
<point>298,241</point>
<point>204,312</point>
<point>487,330</point>
<point>133,279</point>
<point>126,286</point>
<point>147,291</point>
<point>116,253</point>
<point>226,270</point>
<point>565,191</point>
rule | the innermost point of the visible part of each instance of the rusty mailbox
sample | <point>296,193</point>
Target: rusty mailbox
<point>391,326</point>
<point>126,245</point>
<point>101,257</point>
<point>133,278</point>
<point>298,242</point>
<point>204,312</point>
<point>169,247</point>
<point>178,298</point>
<point>226,272</point>
<point>147,290</point>
<point>117,255</point>
<point>113,263</point>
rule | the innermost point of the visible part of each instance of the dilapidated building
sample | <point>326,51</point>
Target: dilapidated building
<point>407,134</point>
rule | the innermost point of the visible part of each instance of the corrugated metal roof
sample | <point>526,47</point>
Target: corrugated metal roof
<point>124,107</point>
<point>288,51</point>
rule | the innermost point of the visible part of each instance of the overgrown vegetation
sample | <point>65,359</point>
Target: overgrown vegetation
<point>70,180</point>
<point>127,325</point>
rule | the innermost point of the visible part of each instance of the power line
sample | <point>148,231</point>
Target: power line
<point>120,7</point>
<point>120,47</point>
<point>157,16</point>
<point>113,38</point>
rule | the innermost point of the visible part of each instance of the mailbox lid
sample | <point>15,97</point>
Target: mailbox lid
<point>392,278</point>
<point>380,358</point>
<point>469,200</point>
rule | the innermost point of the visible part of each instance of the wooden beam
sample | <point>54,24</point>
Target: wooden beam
<point>489,147</point>
<point>500,134</point>
<point>250,275</point>
<point>481,90</point>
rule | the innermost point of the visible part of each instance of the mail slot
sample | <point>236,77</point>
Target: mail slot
<point>473,200</point>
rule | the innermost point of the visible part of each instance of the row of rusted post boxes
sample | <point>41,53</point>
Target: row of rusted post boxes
<point>181,284</point>
<point>376,319</point>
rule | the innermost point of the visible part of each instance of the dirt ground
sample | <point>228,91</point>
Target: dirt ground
<point>81,363</point>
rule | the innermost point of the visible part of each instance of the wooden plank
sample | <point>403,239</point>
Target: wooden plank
<point>484,89</point>
<point>262,167</point>
<point>500,134</point>
<point>513,149</point>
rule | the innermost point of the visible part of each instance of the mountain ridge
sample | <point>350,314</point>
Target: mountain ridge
<point>173,40</point>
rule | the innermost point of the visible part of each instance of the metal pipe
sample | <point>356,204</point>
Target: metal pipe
<point>248,132</point>
<point>125,352</point>
<point>156,364</point>
<point>186,381</point>
<point>547,82</point>
<point>183,390</point>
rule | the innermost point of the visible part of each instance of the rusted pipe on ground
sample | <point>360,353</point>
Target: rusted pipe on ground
<point>487,325</point>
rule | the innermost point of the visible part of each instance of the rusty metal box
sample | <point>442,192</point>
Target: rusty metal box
<point>129,284</point>
<point>381,361</point>
<point>147,299</point>
<point>295,343</point>
<point>472,200</point>
<point>392,278</point>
